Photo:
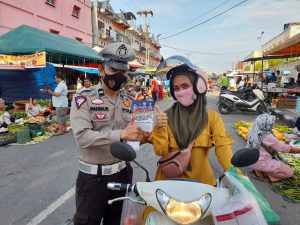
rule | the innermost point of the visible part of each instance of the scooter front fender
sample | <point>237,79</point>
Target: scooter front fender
<point>156,218</point>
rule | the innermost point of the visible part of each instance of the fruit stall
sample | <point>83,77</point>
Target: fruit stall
<point>289,189</point>
<point>280,131</point>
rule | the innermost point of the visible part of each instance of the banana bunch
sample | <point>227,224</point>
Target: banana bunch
<point>279,135</point>
<point>243,129</point>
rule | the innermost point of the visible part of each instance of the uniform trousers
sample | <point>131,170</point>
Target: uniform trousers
<point>92,196</point>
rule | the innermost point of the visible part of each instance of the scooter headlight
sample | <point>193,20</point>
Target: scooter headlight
<point>183,212</point>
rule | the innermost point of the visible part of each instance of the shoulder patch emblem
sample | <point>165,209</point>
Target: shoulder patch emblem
<point>126,103</point>
<point>79,100</point>
<point>97,101</point>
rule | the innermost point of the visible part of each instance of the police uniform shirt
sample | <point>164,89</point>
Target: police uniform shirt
<point>97,121</point>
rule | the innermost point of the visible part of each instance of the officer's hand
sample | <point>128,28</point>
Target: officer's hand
<point>161,118</point>
<point>131,132</point>
<point>143,136</point>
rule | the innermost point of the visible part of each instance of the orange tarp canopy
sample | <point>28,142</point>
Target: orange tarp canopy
<point>289,47</point>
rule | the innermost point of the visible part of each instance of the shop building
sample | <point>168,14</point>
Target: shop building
<point>70,18</point>
<point>109,27</point>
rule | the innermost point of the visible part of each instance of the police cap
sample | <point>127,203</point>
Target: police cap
<point>117,55</point>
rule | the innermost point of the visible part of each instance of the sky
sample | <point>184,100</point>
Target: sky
<point>228,38</point>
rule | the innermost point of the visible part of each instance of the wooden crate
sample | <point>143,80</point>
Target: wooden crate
<point>286,103</point>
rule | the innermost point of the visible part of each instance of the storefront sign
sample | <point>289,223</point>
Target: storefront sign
<point>35,60</point>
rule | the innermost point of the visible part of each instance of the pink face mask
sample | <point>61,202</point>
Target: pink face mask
<point>185,97</point>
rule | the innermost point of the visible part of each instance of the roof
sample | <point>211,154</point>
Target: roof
<point>129,16</point>
<point>26,39</point>
<point>290,46</point>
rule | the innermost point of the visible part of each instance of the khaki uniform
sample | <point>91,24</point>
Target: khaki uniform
<point>97,121</point>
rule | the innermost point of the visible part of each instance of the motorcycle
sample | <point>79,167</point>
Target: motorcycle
<point>251,101</point>
<point>173,203</point>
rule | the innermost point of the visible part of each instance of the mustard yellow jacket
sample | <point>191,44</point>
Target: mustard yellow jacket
<point>213,134</point>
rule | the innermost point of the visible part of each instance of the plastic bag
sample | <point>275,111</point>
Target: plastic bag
<point>269,214</point>
<point>240,209</point>
<point>132,212</point>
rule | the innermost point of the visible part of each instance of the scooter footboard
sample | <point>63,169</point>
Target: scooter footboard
<point>156,218</point>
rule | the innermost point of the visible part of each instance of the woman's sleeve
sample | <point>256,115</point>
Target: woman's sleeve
<point>160,140</point>
<point>222,141</point>
<point>272,142</point>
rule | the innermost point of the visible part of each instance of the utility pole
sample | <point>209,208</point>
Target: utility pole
<point>261,50</point>
<point>95,29</point>
<point>146,14</point>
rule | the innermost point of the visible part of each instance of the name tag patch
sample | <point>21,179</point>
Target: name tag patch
<point>79,100</point>
<point>97,101</point>
<point>98,108</point>
<point>100,116</point>
<point>126,110</point>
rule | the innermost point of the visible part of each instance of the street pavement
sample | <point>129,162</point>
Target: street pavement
<point>37,181</point>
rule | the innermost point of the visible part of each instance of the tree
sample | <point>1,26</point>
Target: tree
<point>247,68</point>
<point>258,66</point>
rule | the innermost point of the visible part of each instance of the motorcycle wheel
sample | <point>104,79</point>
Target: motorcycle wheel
<point>224,109</point>
<point>262,109</point>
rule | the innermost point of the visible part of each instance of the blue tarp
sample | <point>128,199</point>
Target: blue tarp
<point>85,70</point>
<point>23,84</point>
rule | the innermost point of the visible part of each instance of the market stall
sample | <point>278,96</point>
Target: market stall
<point>25,70</point>
<point>24,41</point>
<point>287,188</point>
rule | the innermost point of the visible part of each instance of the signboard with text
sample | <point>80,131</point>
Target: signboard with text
<point>35,60</point>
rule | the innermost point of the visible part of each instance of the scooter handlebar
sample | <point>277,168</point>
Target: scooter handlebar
<point>122,187</point>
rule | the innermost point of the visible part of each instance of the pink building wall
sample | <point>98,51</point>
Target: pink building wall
<point>39,14</point>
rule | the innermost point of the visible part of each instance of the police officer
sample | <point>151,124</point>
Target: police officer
<point>101,115</point>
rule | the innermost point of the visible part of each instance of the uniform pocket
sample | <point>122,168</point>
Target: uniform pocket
<point>127,117</point>
<point>85,183</point>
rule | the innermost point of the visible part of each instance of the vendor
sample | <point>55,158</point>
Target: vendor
<point>7,118</point>
<point>87,82</point>
<point>291,84</point>
<point>34,109</point>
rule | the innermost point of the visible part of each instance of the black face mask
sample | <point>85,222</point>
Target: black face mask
<point>115,82</point>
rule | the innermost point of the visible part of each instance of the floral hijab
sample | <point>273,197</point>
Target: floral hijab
<point>262,127</point>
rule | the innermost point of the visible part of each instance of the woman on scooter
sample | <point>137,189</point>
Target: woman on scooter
<point>262,138</point>
<point>189,120</point>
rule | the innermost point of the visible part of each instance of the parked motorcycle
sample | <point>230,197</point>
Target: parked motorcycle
<point>177,201</point>
<point>253,101</point>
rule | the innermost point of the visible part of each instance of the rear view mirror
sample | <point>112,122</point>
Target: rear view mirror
<point>122,151</point>
<point>245,157</point>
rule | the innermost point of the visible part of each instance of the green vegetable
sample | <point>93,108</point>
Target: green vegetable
<point>12,128</point>
<point>19,115</point>
<point>43,102</point>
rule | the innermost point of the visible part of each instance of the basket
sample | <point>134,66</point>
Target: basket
<point>23,136</point>
<point>6,138</point>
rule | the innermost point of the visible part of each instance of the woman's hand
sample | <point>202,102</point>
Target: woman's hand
<point>161,118</point>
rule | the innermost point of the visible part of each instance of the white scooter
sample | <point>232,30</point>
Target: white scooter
<point>229,102</point>
<point>177,201</point>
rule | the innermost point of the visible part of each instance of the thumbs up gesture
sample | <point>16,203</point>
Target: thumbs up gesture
<point>131,132</point>
<point>161,118</point>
